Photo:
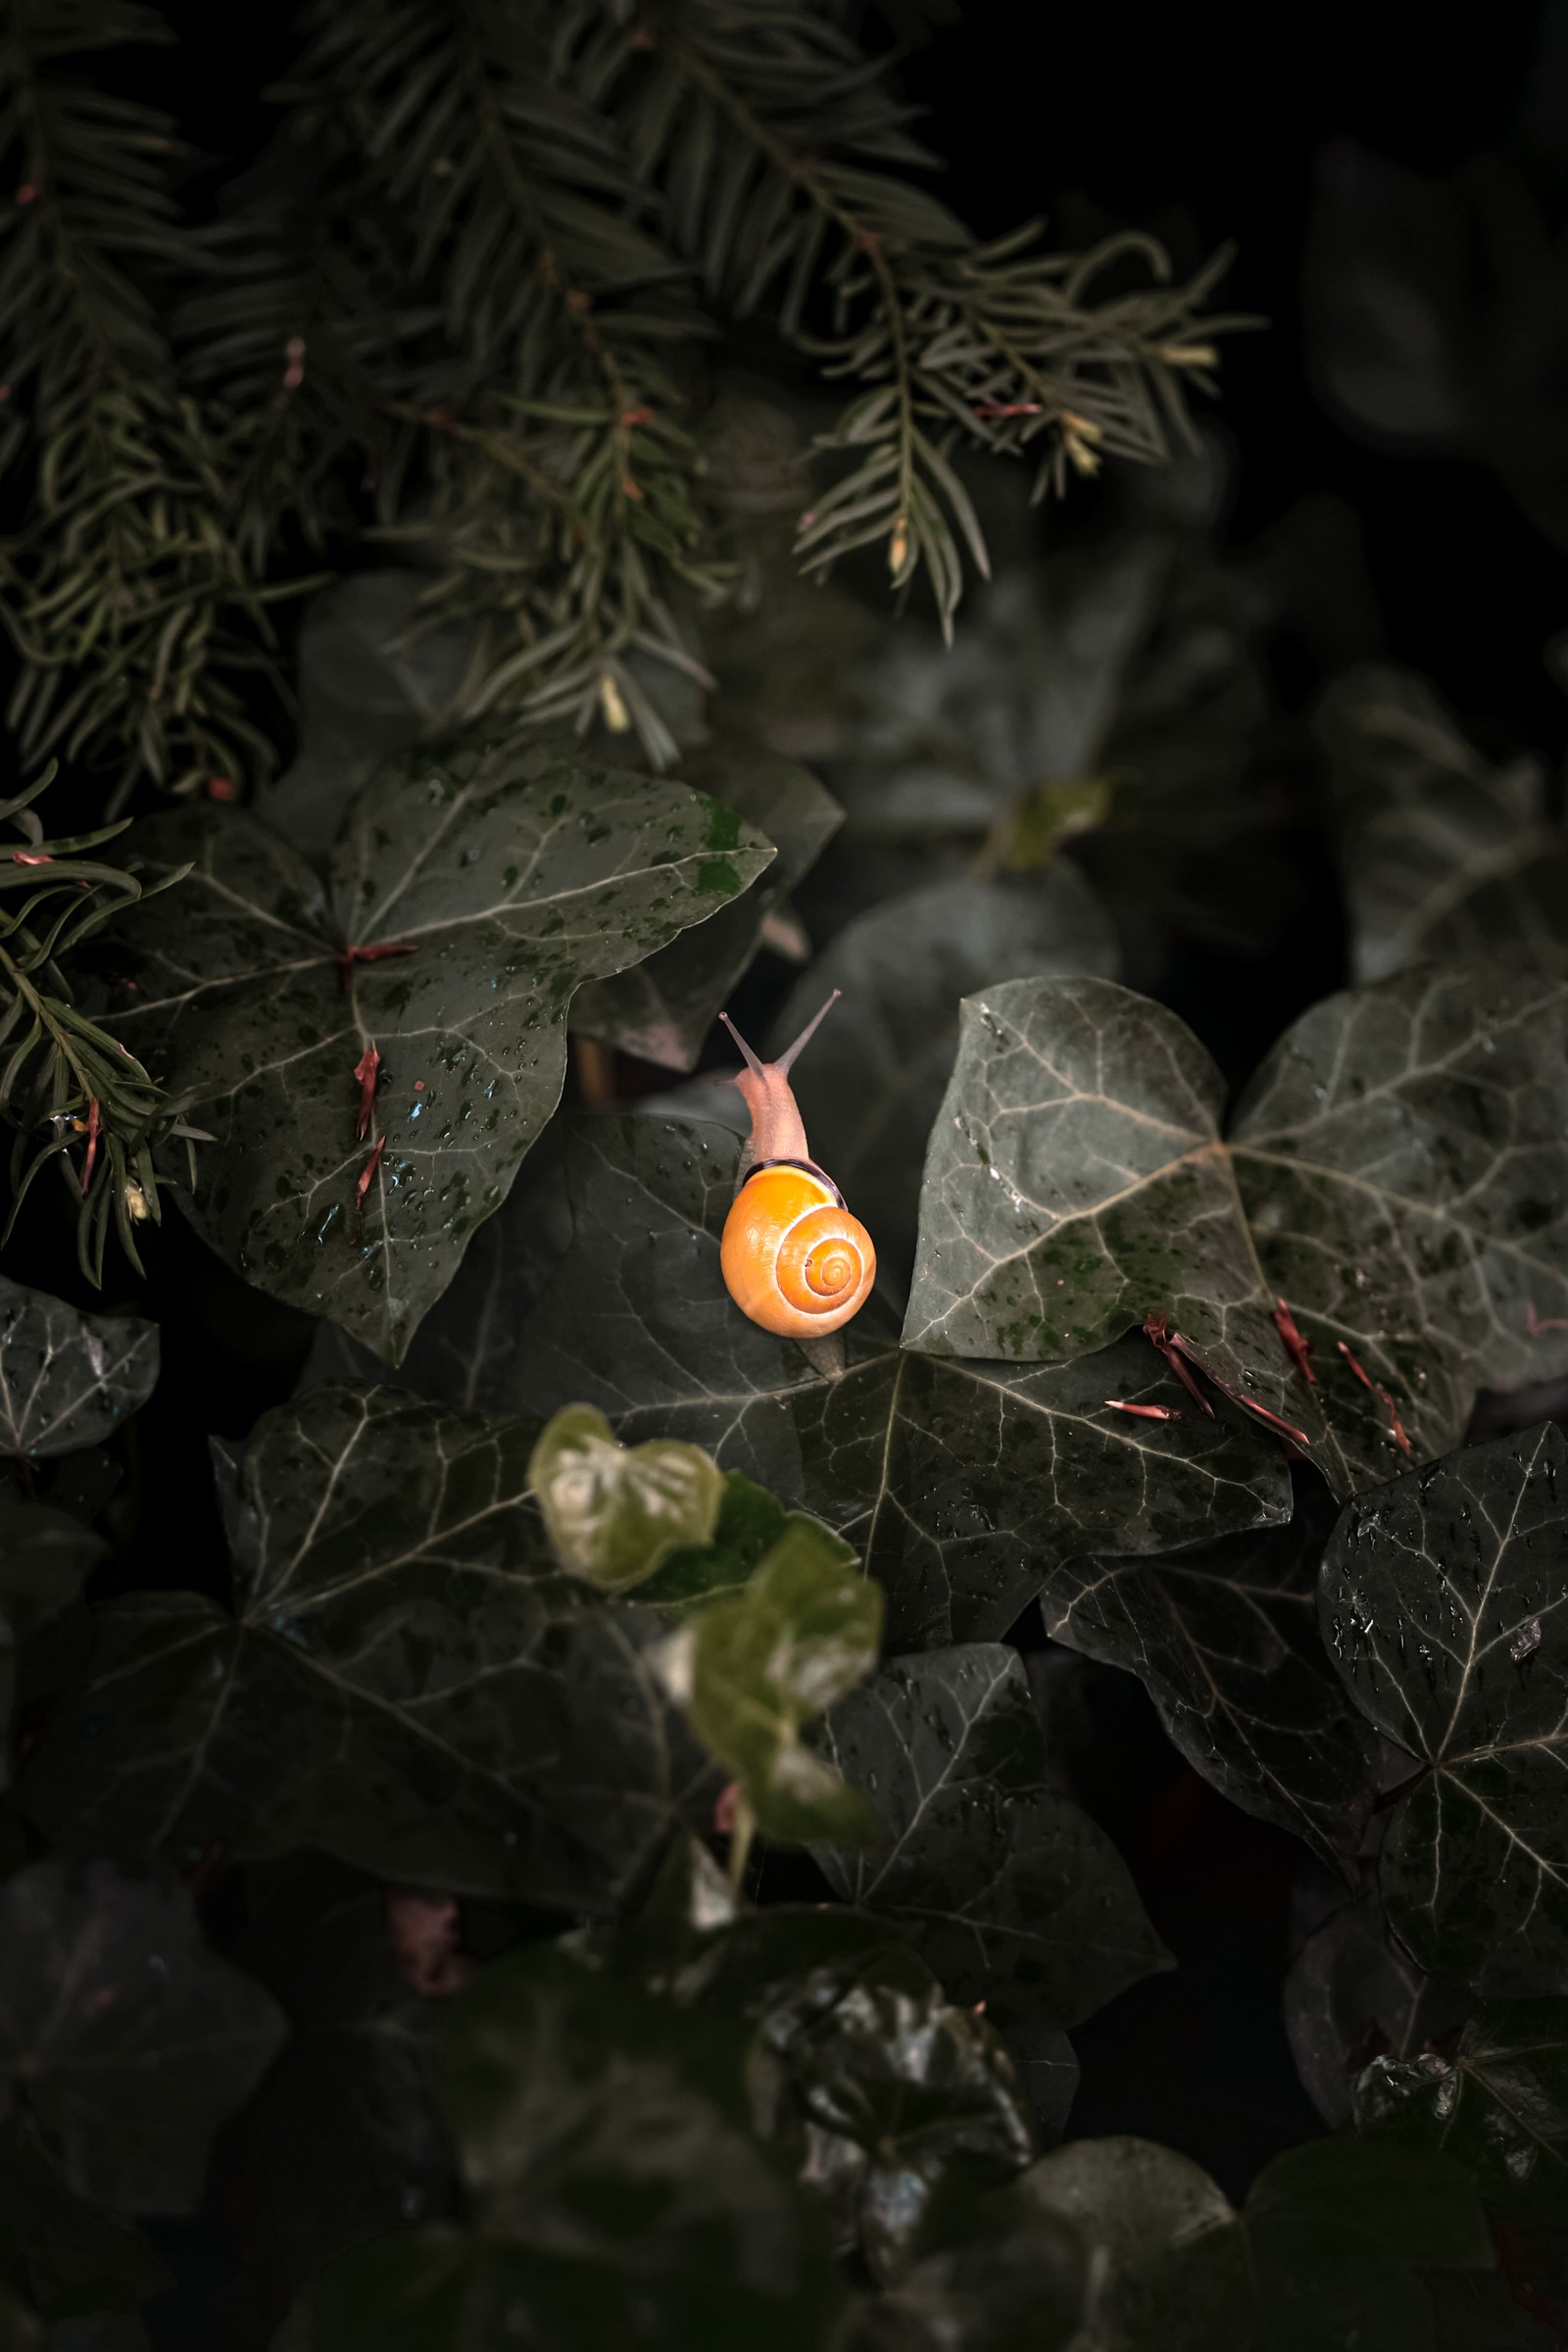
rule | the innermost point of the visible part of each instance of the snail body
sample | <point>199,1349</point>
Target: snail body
<point>793,1257</point>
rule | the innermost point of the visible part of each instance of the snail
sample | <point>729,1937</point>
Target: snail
<point>792,1256</point>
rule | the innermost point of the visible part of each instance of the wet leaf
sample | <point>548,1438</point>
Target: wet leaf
<point>1225,1639</point>
<point>924,2089</point>
<point>1498,2105</point>
<point>757,1667</point>
<point>410,1682</point>
<point>66,1378</point>
<point>1390,1174</point>
<point>614,1513</point>
<point>467,903</point>
<point>122,2038</point>
<point>958,1482</point>
<point>1425,1589</point>
<point>892,2100</point>
<point>871,1085</point>
<point>662,1009</point>
<point>1443,855</point>
<point>1022,1901</point>
<point>462,1352</point>
<point>1353,1994</point>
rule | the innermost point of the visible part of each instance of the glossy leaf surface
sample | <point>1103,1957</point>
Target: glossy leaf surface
<point>1393,1173</point>
<point>68,1379</point>
<point>409,1681</point>
<point>958,1482</point>
<point>1443,1603</point>
<point>1225,1639</point>
<point>1022,1901</point>
<point>464,904</point>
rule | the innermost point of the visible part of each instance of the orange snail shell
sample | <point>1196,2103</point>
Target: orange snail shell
<point>792,1258</point>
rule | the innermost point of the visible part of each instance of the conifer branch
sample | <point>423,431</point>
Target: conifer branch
<point>129,591</point>
<point>76,1097</point>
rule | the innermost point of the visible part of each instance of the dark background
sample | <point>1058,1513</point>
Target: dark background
<point>1206,130</point>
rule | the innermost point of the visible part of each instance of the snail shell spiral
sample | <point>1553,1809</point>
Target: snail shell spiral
<point>793,1257</point>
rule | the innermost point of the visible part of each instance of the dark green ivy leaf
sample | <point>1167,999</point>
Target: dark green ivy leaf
<point>1395,1172</point>
<point>871,1086</point>
<point>411,1681</point>
<point>66,1378</point>
<point>467,903</point>
<point>1022,1901</point>
<point>1322,2258</point>
<point>662,1009</point>
<point>1499,2105</point>
<point>1443,855</point>
<point>614,1513</point>
<point>608,2138</point>
<point>1445,1602</point>
<point>122,2037</point>
<point>1225,1639</point>
<point>1353,1994</point>
<point>374,678</point>
<point>462,1352</point>
<point>958,1483</point>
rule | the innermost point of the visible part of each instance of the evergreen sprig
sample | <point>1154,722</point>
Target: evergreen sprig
<point>66,1086</point>
<point>133,584</point>
<point>457,306</point>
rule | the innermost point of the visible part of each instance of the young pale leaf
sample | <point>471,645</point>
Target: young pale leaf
<point>127,2040</point>
<point>751,1523</point>
<point>465,904</point>
<point>760,1665</point>
<point>1499,2105</point>
<point>1443,856</point>
<point>665,1007</point>
<point>410,1682</point>
<point>1225,1639</point>
<point>66,1378</point>
<point>1352,1989</point>
<point>1443,1601</point>
<point>958,1483</point>
<point>1390,1174</point>
<point>614,1513</point>
<point>870,1088</point>
<point>1021,1901</point>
